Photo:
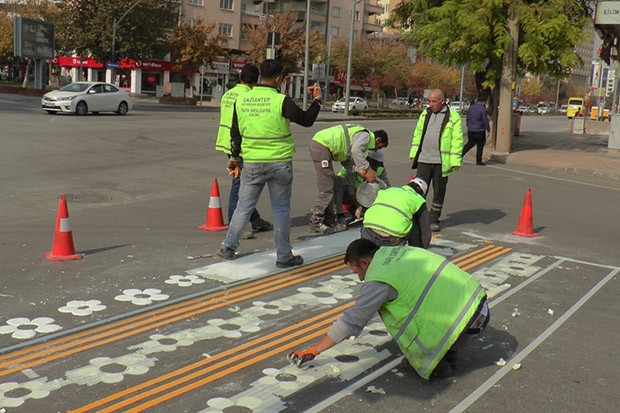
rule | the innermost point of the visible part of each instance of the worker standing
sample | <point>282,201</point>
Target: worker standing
<point>261,134</point>
<point>248,77</point>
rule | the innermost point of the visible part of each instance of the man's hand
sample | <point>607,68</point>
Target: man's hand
<point>315,91</point>
<point>233,167</point>
<point>359,212</point>
<point>298,358</point>
<point>369,175</point>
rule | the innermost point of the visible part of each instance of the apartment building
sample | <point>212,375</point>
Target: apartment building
<point>331,17</point>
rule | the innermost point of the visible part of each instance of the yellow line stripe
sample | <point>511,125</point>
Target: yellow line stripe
<point>254,355</point>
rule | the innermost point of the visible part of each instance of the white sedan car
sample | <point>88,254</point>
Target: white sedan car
<point>354,103</point>
<point>83,97</point>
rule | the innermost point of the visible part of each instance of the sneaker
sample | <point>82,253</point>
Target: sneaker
<point>260,225</point>
<point>481,163</point>
<point>320,228</point>
<point>248,235</point>
<point>293,262</point>
<point>435,227</point>
<point>226,253</point>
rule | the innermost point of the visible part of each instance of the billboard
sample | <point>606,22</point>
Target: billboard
<point>34,39</point>
<point>607,12</point>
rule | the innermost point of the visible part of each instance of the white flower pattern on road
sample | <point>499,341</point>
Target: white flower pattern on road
<point>141,297</point>
<point>184,280</point>
<point>23,328</point>
<point>82,308</point>
<point>34,389</point>
<point>110,370</point>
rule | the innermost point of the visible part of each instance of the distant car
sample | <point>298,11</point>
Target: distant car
<point>400,101</point>
<point>456,105</point>
<point>563,109</point>
<point>354,103</point>
<point>544,110</point>
<point>83,97</point>
<point>532,109</point>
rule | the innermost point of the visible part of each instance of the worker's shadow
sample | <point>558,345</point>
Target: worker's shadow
<point>481,353</point>
<point>473,216</point>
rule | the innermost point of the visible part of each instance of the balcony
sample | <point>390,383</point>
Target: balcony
<point>372,28</point>
<point>373,8</point>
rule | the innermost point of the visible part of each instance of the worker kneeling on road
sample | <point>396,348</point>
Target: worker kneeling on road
<point>429,306</point>
<point>346,144</point>
<point>399,216</point>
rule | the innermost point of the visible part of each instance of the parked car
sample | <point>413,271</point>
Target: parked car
<point>456,105</point>
<point>400,101</point>
<point>563,109</point>
<point>354,103</point>
<point>83,97</point>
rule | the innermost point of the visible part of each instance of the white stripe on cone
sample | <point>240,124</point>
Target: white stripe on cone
<point>65,225</point>
<point>214,202</point>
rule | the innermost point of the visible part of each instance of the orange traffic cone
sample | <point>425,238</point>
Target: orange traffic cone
<point>215,220</point>
<point>526,221</point>
<point>62,246</point>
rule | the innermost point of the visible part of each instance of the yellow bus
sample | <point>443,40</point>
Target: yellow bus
<point>574,106</point>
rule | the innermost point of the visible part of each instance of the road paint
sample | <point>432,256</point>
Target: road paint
<point>189,378</point>
<point>520,356</point>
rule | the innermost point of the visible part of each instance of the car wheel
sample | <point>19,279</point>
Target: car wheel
<point>122,109</point>
<point>81,109</point>
<point>365,107</point>
<point>51,112</point>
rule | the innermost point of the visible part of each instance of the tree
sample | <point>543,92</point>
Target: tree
<point>497,38</point>
<point>292,40</point>
<point>196,45</point>
<point>86,27</point>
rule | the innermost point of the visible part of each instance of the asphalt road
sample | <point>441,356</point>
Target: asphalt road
<point>137,322</point>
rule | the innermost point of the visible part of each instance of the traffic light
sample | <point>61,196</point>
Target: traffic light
<point>278,55</point>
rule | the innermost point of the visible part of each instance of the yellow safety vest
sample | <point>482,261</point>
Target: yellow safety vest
<point>392,211</point>
<point>436,301</point>
<point>266,134</point>
<point>227,105</point>
<point>339,139</point>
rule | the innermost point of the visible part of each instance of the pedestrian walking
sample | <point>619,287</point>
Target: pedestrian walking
<point>347,144</point>
<point>260,132</point>
<point>430,307</point>
<point>478,128</point>
<point>399,216</point>
<point>436,149</point>
<point>248,77</point>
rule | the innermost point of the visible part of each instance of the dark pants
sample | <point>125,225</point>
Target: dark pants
<point>431,174</point>
<point>477,139</point>
<point>233,197</point>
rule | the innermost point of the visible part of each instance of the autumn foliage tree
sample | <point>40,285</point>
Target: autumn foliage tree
<point>196,45</point>
<point>292,40</point>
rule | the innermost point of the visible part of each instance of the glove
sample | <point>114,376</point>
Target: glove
<point>233,167</point>
<point>298,358</point>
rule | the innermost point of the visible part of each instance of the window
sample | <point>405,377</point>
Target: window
<point>226,4</point>
<point>336,11</point>
<point>225,29</point>
<point>334,31</point>
<point>195,2</point>
<point>357,15</point>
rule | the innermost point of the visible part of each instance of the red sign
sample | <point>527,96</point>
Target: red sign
<point>76,62</point>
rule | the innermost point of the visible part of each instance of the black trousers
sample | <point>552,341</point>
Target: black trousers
<point>477,139</point>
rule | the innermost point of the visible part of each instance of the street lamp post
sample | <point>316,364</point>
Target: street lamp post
<point>116,23</point>
<point>307,56</point>
<point>349,59</point>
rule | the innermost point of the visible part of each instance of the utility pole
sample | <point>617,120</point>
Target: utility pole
<point>307,56</point>
<point>505,127</point>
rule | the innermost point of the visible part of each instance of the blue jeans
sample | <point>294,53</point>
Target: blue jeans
<point>233,197</point>
<point>279,179</point>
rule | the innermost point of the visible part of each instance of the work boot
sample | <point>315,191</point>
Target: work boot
<point>260,225</point>
<point>226,253</point>
<point>443,369</point>
<point>320,228</point>
<point>435,227</point>
<point>293,262</point>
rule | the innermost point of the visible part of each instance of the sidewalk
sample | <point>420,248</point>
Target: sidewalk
<point>571,154</point>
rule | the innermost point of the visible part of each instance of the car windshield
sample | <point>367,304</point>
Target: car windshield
<point>342,100</point>
<point>75,87</point>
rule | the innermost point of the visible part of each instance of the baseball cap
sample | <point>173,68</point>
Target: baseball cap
<point>420,182</point>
